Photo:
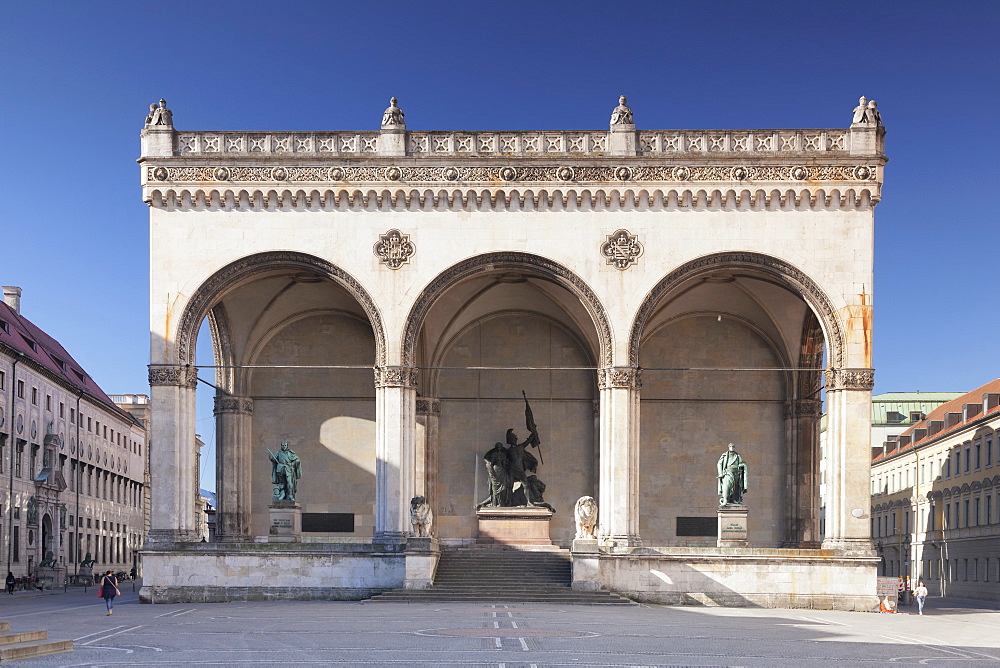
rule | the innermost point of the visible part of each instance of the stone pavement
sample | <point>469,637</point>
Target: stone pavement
<point>484,634</point>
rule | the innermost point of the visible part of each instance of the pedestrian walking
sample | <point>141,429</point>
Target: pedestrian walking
<point>109,589</point>
<point>921,593</point>
<point>10,582</point>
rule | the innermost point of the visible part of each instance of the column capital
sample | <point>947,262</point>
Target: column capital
<point>850,379</point>
<point>396,376</point>
<point>233,404</point>
<point>173,375</point>
<point>627,377</point>
<point>428,406</point>
<point>803,408</point>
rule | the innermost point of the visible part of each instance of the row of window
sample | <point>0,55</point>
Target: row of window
<point>984,569</point>
<point>975,457</point>
<point>93,425</point>
<point>960,514</point>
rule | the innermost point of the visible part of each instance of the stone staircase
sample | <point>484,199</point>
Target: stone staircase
<point>29,644</point>
<point>503,574</point>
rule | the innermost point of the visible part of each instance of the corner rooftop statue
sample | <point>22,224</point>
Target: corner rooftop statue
<point>380,297</point>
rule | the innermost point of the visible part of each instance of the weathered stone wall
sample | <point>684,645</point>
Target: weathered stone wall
<point>477,408</point>
<point>687,418</point>
<point>326,415</point>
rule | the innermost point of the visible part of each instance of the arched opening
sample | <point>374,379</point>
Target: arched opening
<point>482,333</point>
<point>292,343</point>
<point>731,351</point>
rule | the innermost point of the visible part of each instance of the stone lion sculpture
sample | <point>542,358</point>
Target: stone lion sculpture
<point>421,516</point>
<point>586,517</point>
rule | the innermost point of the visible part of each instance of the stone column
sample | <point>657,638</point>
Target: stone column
<point>618,506</point>
<point>233,429</point>
<point>848,458</point>
<point>426,457</point>
<point>802,435</point>
<point>395,429</point>
<point>171,448</point>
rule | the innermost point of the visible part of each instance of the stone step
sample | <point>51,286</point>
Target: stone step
<point>23,637</point>
<point>571,598</point>
<point>31,650</point>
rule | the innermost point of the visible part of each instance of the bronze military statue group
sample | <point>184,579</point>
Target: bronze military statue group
<point>512,469</point>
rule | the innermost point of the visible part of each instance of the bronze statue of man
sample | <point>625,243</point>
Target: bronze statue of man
<point>732,477</point>
<point>286,469</point>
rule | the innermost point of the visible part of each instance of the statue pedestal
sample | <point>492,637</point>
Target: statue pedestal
<point>586,564</point>
<point>422,556</point>
<point>50,577</point>
<point>286,522</point>
<point>733,526</point>
<point>514,526</point>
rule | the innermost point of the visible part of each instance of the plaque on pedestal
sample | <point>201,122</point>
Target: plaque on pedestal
<point>733,525</point>
<point>514,526</point>
<point>286,522</point>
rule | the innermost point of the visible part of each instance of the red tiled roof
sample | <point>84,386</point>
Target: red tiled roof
<point>953,406</point>
<point>19,335</point>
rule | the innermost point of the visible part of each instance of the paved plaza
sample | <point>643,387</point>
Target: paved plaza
<point>483,634</point>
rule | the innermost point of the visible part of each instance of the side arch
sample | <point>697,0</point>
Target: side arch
<point>501,261</point>
<point>236,272</point>
<point>813,295</point>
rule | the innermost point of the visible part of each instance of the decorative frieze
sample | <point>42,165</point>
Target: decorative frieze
<point>396,376</point>
<point>525,173</point>
<point>627,377</point>
<point>230,404</point>
<point>179,376</point>
<point>803,408</point>
<point>850,379</point>
<point>621,249</point>
<point>427,406</point>
<point>394,249</point>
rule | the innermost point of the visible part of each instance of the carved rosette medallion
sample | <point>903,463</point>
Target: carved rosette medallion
<point>221,173</point>
<point>428,406</point>
<point>508,173</point>
<point>279,173</point>
<point>450,173</point>
<point>393,173</point>
<point>799,173</point>
<point>622,249</point>
<point>623,173</point>
<point>620,377</point>
<point>177,376</point>
<point>739,173</point>
<point>160,173</point>
<point>565,173</point>
<point>396,376</point>
<point>862,173</point>
<point>682,173</point>
<point>394,249</point>
<point>241,405</point>
<point>335,173</point>
<point>850,379</point>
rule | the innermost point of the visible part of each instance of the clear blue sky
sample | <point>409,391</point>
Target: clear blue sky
<point>77,78</point>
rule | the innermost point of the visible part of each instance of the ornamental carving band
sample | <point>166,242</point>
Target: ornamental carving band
<point>803,408</point>
<point>622,249</point>
<point>178,376</point>
<point>850,379</point>
<point>396,376</point>
<point>620,377</point>
<point>241,405</point>
<point>394,249</point>
<point>428,407</point>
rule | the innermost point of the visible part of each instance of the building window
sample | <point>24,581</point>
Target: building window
<point>20,389</point>
<point>62,411</point>
<point>930,517</point>
<point>16,543</point>
<point>968,459</point>
<point>989,509</point>
<point>48,402</point>
<point>977,511</point>
<point>3,380</point>
<point>18,460</point>
<point>979,453</point>
<point>34,396</point>
<point>966,513</point>
<point>947,468</point>
<point>72,415</point>
<point>989,452</point>
<point>88,424</point>
<point>906,522</point>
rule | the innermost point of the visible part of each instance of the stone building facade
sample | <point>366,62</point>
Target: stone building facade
<point>72,464</point>
<point>936,498</point>
<point>655,294</point>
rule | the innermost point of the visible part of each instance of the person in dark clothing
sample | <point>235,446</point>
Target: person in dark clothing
<point>10,583</point>
<point>109,589</point>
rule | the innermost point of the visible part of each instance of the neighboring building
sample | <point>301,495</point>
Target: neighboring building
<point>656,294</point>
<point>72,464</point>
<point>935,509</point>
<point>892,413</point>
